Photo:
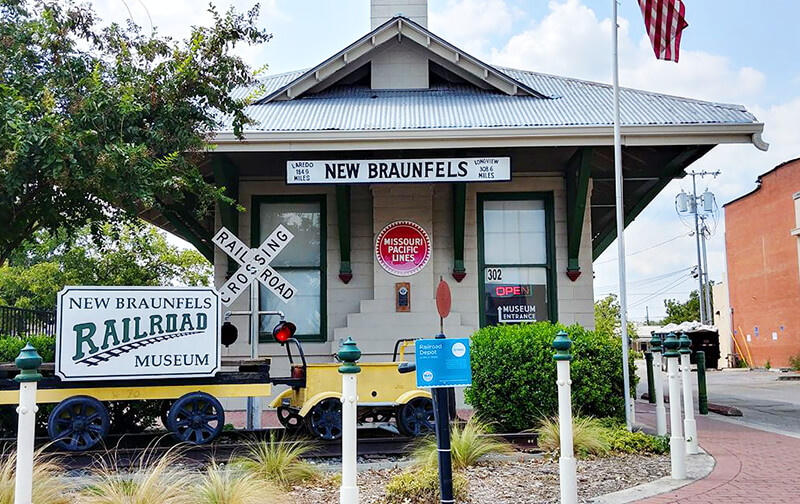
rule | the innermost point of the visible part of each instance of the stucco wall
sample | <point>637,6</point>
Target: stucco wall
<point>431,206</point>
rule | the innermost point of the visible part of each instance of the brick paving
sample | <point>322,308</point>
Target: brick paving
<point>752,466</point>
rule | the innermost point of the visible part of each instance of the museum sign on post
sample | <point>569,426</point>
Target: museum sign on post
<point>137,332</point>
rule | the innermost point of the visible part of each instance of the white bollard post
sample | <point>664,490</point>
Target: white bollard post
<point>28,362</point>
<point>348,355</point>
<point>661,412</point>
<point>677,445</point>
<point>566,463</point>
<point>689,423</point>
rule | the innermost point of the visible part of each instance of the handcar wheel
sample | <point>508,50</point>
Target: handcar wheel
<point>289,418</point>
<point>325,419</point>
<point>196,418</point>
<point>78,423</point>
<point>166,404</point>
<point>415,418</point>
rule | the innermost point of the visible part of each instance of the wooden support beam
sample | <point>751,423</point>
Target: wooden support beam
<point>190,234</point>
<point>579,169</point>
<point>459,217</point>
<point>343,217</point>
<point>226,176</point>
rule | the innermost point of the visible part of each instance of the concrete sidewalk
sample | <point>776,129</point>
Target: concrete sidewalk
<point>752,466</point>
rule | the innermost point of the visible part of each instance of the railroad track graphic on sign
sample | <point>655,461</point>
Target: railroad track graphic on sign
<point>255,264</point>
<point>106,355</point>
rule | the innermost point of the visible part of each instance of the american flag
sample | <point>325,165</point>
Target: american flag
<point>664,20</point>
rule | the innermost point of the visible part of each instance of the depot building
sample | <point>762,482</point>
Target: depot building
<point>401,159</point>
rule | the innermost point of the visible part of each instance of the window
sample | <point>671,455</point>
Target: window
<point>301,263</point>
<point>515,247</point>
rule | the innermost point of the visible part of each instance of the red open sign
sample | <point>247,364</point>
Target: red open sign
<point>512,290</point>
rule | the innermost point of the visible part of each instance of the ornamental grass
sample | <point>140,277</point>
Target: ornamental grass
<point>229,485</point>
<point>279,462</point>
<point>49,484</point>
<point>589,436</point>
<point>469,442</point>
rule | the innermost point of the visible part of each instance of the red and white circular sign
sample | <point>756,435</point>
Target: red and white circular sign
<point>403,248</point>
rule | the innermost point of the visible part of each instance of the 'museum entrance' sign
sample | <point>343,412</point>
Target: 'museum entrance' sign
<point>403,248</point>
<point>137,332</point>
<point>377,171</point>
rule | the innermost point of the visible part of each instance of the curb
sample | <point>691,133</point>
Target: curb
<point>721,409</point>
<point>697,467</point>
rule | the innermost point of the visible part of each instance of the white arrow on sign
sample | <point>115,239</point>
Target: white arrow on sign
<point>255,264</point>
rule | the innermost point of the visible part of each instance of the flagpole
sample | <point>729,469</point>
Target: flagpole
<point>620,211</point>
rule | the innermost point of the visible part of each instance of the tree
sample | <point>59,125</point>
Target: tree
<point>607,318</point>
<point>128,255</point>
<point>96,124</point>
<point>687,311</point>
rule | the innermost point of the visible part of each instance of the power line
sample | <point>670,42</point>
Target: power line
<point>646,280</point>
<point>645,249</point>
<point>663,291</point>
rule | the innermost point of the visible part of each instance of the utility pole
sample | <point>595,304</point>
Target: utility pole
<point>693,206</point>
<point>709,314</point>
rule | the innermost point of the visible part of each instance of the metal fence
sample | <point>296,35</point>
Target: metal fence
<point>22,322</point>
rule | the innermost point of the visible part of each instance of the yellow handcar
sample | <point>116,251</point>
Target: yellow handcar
<point>384,394</point>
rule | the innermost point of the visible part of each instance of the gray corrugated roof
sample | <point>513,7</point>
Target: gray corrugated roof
<point>572,103</point>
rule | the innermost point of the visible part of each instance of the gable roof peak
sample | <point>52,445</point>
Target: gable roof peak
<point>399,30</point>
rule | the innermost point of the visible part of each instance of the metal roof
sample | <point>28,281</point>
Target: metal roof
<point>570,102</point>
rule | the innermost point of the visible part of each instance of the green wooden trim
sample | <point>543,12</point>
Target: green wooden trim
<point>552,287</point>
<point>671,171</point>
<point>459,223</point>
<point>189,234</point>
<point>579,170</point>
<point>343,218</point>
<point>226,176</point>
<point>255,224</point>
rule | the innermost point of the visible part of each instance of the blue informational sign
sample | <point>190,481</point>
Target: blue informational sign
<point>443,363</point>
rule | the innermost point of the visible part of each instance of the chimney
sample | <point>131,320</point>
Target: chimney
<point>384,10</point>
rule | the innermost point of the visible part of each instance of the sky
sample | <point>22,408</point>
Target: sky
<point>734,51</point>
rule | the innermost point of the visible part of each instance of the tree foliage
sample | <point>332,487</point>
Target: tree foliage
<point>607,318</point>
<point>128,255</point>
<point>98,123</point>
<point>686,311</point>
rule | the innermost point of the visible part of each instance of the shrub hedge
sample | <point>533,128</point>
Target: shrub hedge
<point>11,345</point>
<point>514,374</point>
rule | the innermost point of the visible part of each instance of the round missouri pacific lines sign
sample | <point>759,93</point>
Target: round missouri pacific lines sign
<point>403,248</point>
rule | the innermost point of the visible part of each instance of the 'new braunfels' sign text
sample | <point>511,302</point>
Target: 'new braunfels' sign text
<point>137,332</point>
<point>376,171</point>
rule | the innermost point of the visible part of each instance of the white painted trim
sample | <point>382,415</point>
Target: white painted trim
<point>488,137</point>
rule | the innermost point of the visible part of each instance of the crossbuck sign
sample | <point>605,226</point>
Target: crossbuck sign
<point>255,264</point>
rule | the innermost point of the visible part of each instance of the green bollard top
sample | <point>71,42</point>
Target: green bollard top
<point>672,344</point>
<point>349,354</point>
<point>28,362</point>
<point>562,344</point>
<point>655,343</point>
<point>686,344</point>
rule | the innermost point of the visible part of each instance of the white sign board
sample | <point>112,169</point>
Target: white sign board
<point>255,264</point>
<point>382,171</point>
<point>137,332</point>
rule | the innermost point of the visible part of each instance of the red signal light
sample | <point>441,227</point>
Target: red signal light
<point>283,331</point>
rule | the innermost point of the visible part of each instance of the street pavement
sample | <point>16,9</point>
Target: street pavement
<point>765,401</point>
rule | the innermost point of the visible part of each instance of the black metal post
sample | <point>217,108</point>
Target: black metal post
<point>651,383</point>
<point>702,392</point>
<point>442,417</point>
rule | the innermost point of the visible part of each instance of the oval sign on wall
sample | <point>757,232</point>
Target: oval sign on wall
<point>403,248</point>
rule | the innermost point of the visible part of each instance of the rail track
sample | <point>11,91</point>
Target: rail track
<point>126,451</point>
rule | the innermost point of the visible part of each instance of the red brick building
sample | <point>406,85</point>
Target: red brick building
<point>762,240</point>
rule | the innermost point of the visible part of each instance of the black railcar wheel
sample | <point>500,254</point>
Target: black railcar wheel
<point>325,419</point>
<point>415,418</point>
<point>78,423</point>
<point>289,418</point>
<point>166,404</point>
<point>196,418</point>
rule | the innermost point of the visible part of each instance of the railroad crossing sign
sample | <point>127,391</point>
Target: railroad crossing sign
<point>255,264</point>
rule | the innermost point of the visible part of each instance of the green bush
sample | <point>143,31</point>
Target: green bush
<point>421,486</point>
<point>620,440</point>
<point>794,362</point>
<point>514,374</point>
<point>11,345</point>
